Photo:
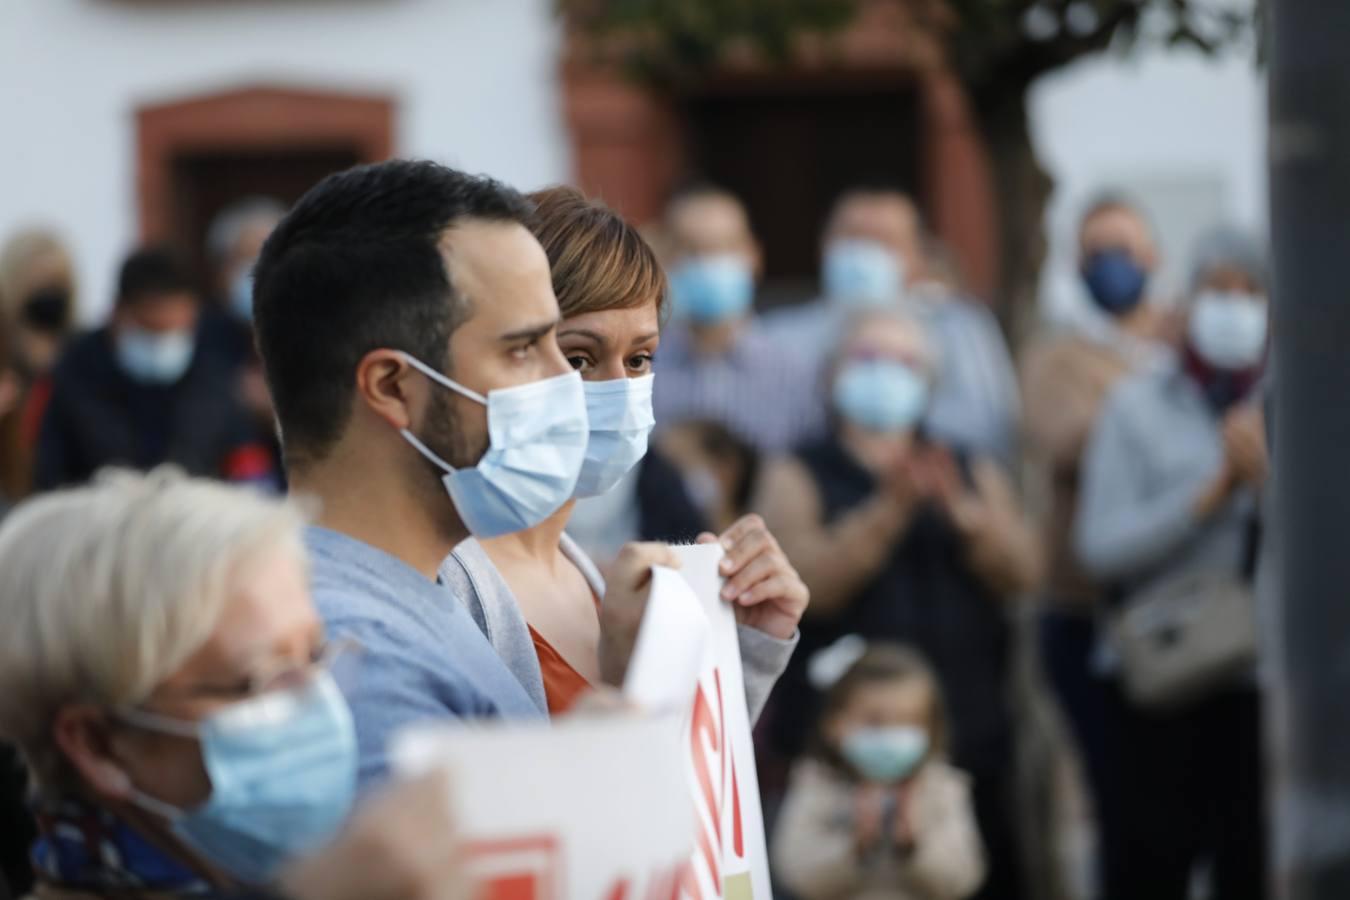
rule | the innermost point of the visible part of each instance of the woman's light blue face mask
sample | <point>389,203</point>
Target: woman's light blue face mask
<point>881,394</point>
<point>538,434</point>
<point>621,421</point>
<point>283,777</point>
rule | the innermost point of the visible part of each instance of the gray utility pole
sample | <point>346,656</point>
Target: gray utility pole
<point>1309,615</point>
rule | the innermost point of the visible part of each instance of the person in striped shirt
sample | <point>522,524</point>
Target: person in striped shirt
<point>717,361</point>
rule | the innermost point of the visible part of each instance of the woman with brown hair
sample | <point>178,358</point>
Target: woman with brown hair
<point>535,593</point>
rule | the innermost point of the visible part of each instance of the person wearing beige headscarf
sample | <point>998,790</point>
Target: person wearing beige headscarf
<point>37,293</point>
<point>37,305</point>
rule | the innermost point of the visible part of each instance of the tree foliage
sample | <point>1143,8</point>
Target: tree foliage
<point>996,47</point>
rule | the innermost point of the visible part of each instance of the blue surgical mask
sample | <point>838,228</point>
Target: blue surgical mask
<point>152,357</point>
<point>711,289</point>
<point>621,419</point>
<point>283,778</point>
<point>1115,281</point>
<point>883,395</point>
<point>885,755</point>
<point>862,274</point>
<point>537,436</point>
<point>241,293</point>
<point>1229,331</point>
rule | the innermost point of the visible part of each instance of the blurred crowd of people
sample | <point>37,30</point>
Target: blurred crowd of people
<point>880,448</point>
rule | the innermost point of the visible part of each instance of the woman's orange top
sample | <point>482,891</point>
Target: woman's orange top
<point>563,685</point>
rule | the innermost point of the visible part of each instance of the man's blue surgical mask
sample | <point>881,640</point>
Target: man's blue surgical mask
<point>621,419</point>
<point>707,290</point>
<point>1115,281</point>
<point>153,357</point>
<point>537,436</point>
<point>883,395</point>
<point>283,777</point>
<point>862,274</point>
<point>886,755</point>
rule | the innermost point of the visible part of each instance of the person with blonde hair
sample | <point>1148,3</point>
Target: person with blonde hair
<point>165,675</point>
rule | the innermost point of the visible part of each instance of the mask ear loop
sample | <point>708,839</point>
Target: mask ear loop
<point>442,380</point>
<point>149,721</point>
<point>426,451</point>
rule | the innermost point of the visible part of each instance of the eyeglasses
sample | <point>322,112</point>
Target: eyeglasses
<point>330,656</point>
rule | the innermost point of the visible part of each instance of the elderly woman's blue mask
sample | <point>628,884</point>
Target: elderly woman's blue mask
<point>283,778</point>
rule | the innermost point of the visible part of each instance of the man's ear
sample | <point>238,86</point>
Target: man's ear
<point>81,733</point>
<point>389,387</point>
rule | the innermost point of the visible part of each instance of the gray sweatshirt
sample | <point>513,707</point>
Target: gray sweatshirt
<point>473,578</point>
<point>422,658</point>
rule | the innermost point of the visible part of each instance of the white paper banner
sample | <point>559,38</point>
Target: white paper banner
<point>730,856</point>
<point>587,809</point>
<point>671,646</point>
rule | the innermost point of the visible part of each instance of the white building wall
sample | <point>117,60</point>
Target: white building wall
<point>475,82</point>
<point>1184,134</point>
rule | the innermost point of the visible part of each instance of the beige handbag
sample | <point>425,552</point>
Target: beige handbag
<point>1185,638</point>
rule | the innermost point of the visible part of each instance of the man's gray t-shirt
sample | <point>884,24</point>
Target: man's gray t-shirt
<point>422,657</point>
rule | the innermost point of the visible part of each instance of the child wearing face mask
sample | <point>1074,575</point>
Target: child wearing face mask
<point>876,811</point>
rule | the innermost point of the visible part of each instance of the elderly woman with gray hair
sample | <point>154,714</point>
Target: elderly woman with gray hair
<point>902,539</point>
<point>1169,518</point>
<point>165,675</point>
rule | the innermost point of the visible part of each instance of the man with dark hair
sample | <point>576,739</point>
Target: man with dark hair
<point>136,393</point>
<point>406,319</point>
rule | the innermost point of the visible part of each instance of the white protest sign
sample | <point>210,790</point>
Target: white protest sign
<point>585,809</point>
<point>730,858</point>
<point>671,646</point>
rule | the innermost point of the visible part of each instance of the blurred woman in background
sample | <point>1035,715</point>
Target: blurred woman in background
<point>1170,507</point>
<point>901,539</point>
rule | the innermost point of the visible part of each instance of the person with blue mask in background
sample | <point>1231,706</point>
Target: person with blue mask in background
<point>876,254</point>
<point>1170,512</point>
<point>138,392</point>
<point>900,538</point>
<point>717,362</point>
<point>169,682</point>
<point>1066,377</point>
<point>233,242</point>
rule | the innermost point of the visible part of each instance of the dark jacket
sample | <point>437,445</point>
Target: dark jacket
<point>98,416</point>
<point>665,512</point>
<point>926,596</point>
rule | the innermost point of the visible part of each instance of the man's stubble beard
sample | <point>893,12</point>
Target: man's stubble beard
<point>444,435</point>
